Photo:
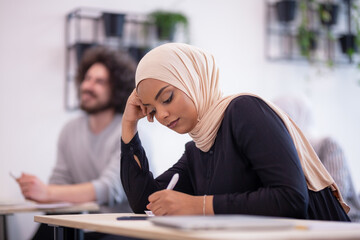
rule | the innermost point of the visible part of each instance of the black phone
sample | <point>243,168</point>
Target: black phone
<point>132,218</point>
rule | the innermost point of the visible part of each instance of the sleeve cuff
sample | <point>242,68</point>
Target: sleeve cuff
<point>219,204</point>
<point>101,192</point>
<point>132,146</point>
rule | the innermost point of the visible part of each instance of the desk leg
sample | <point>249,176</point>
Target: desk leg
<point>3,228</point>
<point>65,233</point>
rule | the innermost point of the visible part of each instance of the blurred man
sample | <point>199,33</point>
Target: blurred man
<point>329,151</point>
<point>88,159</point>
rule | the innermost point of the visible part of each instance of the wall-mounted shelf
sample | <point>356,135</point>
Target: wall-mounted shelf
<point>134,33</point>
<point>86,27</point>
<point>282,31</point>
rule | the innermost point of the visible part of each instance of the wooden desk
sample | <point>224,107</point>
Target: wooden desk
<point>107,223</point>
<point>29,206</point>
<point>48,208</point>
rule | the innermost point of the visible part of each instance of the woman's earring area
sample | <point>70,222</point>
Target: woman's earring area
<point>150,117</point>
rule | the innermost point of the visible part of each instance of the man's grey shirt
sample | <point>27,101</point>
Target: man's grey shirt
<point>87,157</point>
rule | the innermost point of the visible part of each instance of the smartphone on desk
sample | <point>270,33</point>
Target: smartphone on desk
<point>125,218</point>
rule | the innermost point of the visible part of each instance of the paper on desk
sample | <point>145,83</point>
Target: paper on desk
<point>53,205</point>
<point>329,226</point>
<point>10,202</point>
<point>30,205</point>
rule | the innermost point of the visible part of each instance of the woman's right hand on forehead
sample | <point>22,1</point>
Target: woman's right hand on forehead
<point>134,109</point>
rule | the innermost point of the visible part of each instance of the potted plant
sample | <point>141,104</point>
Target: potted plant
<point>166,22</point>
<point>350,42</point>
<point>285,10</point>
<point>307,41</point>
<point>328,13</point>
<point>306,37</point>
<point>113,24</point>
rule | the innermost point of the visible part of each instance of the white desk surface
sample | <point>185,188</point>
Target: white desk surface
<point>29,206</point>
<point>107,223</point>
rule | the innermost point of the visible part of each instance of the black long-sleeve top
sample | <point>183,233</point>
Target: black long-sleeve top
<point>252,168</point>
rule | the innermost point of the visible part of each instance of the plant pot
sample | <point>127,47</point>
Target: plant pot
<point>285,10</point>
<point>137,53</point>
<point>328,13</point>
<point>166,23</point>
<point>313,44</point>
<point>80,49</point>
<point>113,24</point>
<point>348,43</point>
<point>166,33</point>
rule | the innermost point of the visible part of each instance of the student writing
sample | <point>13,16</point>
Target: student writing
<point>246,157</point>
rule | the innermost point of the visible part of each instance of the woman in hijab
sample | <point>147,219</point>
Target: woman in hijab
<point>246,157</point>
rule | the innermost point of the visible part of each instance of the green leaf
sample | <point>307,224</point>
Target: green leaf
<point>350,52</point>
<point>330,63</point>
<point>166,21</point>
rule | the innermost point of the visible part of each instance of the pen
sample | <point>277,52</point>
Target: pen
<point>170,186</point>
<point>13,176</point>
<point>173,181</point>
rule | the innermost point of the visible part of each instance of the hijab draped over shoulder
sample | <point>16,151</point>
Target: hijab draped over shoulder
<point>194,71</point>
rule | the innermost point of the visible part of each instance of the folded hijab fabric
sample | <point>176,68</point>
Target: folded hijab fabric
<point>194,71</point>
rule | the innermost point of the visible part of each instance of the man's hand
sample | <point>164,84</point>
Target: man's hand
<point>33,188</point>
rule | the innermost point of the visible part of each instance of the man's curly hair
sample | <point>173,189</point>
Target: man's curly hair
<point>121,69</point>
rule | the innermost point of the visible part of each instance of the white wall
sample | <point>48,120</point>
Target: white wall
<point>32,81</point>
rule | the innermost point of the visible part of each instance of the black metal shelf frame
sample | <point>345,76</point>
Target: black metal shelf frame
<point>78,39</point>
<point>281,37</point>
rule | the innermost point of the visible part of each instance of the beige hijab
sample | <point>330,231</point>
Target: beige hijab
<point>194,72</point>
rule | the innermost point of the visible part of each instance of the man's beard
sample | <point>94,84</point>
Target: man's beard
<point>99,107</point>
